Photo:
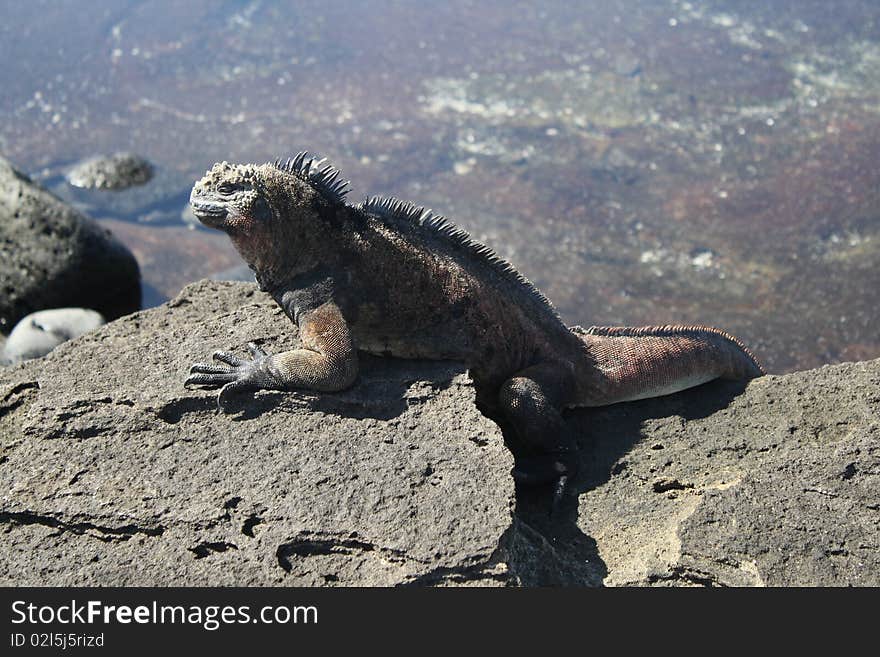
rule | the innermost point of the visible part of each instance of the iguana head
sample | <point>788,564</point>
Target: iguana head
<point>270,211</point>
<point>231,198</point>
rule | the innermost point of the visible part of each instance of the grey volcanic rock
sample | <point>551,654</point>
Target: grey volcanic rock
<point>53,256</point>
<point>117,171</point>
<point>777,484</point>
<point>112,473</point>
<point>39,333</point>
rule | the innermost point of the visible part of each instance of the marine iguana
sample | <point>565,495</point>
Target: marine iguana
<point>392,278</point>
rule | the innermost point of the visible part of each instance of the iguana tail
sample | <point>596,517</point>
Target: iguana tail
<point>650,361</point>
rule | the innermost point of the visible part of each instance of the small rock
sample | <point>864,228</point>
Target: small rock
<point>117,171</point>
<point>39,333</point>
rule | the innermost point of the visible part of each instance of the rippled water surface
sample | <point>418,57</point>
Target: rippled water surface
<point>643,162</point>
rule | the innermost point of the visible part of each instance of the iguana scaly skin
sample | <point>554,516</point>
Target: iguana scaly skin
<point>390,278</point>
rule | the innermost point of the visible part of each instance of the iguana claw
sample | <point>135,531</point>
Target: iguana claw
<point>226,391</point>
<point>556,469</point>
<point>236,374</point>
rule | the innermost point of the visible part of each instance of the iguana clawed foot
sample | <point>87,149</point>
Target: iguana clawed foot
<point>558,469</point>
<point>237,374</point>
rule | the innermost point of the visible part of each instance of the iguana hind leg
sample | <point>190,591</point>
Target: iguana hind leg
<point>637,363</point>
<point>531,403</point>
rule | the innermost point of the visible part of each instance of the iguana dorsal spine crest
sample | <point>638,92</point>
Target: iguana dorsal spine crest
<point>324,178</point>
<point>393,209</point>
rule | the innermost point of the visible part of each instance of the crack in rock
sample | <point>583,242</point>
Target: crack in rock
<point>205,549</point>
<point>107,534</point>
<point>17,395</point>
<point>309,546</point>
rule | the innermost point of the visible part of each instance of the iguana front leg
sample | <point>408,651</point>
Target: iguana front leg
<point>326,362</point>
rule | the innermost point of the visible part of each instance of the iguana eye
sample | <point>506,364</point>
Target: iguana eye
<point>226,188</point>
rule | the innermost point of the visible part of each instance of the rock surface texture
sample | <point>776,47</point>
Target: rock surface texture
<point>112,473</point>
<point>777,484</point>
<point>53,256</point>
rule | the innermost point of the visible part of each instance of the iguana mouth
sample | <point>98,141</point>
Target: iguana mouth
<point>208,213</point>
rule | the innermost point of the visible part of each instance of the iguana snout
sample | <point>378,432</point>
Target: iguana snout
<point>210,213</point>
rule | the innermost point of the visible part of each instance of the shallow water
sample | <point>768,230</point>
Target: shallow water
<point>642,162</point>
